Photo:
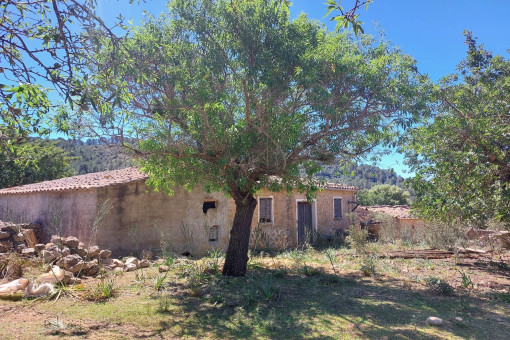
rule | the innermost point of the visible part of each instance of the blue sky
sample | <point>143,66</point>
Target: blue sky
<point>429,30</point>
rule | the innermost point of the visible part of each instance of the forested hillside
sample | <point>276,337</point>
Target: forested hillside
<point>93,156</point>
<point>362,176</point>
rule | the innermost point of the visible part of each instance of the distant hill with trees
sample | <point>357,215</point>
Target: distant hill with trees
<point>93,156</point>
<point>362,176</point>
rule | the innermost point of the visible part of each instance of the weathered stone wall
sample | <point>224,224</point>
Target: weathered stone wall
<point>68,213</point>
<point>141,218</point>
<point>285,215</point>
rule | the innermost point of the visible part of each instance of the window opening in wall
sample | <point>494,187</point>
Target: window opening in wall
<point>213,233</point>
<point>208,205</point>
<point>265,209</point>
<point>337,205</point>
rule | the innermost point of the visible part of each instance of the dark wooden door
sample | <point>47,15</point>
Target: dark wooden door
<point>304,222</point>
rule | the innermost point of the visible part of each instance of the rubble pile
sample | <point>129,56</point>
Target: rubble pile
<point>70,260</point>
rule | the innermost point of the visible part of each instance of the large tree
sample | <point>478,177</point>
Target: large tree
<point>462,157</point>
<point>234,96</point>
<point>383,194</point>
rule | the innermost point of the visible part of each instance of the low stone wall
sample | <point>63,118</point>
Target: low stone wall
<point>267,236</point>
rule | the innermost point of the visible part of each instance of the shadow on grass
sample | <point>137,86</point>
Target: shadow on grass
<point>326,306</point>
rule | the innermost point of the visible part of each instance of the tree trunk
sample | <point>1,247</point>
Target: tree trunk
<point>237,253</point>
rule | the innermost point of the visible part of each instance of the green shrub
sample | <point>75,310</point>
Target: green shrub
<point>357,239</point>
<point>368,266</point>
<point>439,286</point>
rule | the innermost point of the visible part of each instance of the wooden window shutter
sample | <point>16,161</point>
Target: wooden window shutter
<point>265,210</point>
<point>338,207</point>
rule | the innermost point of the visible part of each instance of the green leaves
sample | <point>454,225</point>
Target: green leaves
<point>462,158</point>
<point>235,96</point>
<point>347,17</point>
<point>33,161</point>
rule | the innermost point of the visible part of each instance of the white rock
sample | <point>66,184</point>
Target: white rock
<point>434,321</point>
<point>56,274</point>
<point>129,267</point>
<point>34,289</point>
<point>458,318</point>
<point>133,260</point>
<point>13,287</point>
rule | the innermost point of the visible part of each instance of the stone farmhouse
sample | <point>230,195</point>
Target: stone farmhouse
<point>187,222</point>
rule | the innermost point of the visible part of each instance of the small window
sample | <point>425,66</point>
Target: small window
<point>208,205</point>
<point>213,233</point>
<point>337,207</point>
<point>265,210</point>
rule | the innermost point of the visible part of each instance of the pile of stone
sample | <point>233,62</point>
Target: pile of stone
<point>17,237</point>
<point>70,259</point>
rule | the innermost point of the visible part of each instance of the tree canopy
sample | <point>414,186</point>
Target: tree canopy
<point>32,162</point>
<point>44,46</point>
<point>234,96</point>
<point>462,157</point>
<point>383,194</point>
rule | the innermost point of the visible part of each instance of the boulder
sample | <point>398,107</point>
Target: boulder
<point>77,268</point>
<point>105,253</point>
<point>67,277</point>
<point>91,268</point>
<point>13,287</point>
<point>81,252</point>
<point>28,252</point>
<point>71,242</point>
<point>18,237</point>
<point>70,263</point>
<point>434,321</point>
<point>35,290</point>
<point>56,274</point>
<point>48,256</point>
<point>50,246</point>
<point>4,234</point>
<point>163,269</point>
<point>133,260</point>
<point>56,239</point>
<point>129,267</point>
<point>146,254</point>
<point>65,252</point>
<point>116,263</point>
<point>94,251</point>
<point>145,263</point>
<point>118,269</point>
<point>9,227</point>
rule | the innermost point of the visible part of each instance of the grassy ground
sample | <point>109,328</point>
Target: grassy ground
<point>295,294</point>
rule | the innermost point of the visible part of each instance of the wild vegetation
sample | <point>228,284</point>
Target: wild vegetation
<point>246,99</point>
<point>325,292</point>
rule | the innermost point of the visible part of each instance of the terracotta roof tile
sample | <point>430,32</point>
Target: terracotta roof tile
<point>397,211</point>
<point>338,186</point>
<point>81,182</point>
<point>104,179</point>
